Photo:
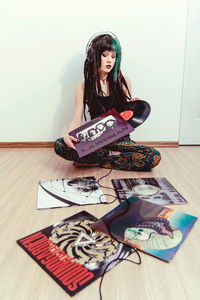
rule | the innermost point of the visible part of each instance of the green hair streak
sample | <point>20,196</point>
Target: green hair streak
<point>117,50</point>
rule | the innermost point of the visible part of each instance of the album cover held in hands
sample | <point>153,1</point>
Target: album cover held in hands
<point>100,132</point>
<point>69,192</point>
<point>151,228</point>
<point>156,190</point>
<point>72,253</point>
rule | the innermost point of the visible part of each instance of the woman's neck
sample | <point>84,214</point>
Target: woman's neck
<point>103,80</point>
<point>103,77</point>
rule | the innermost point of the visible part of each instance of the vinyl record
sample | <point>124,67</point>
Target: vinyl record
<point>136,112</point>
<point>145,189</point>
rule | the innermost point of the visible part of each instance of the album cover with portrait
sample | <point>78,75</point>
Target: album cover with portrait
<point>69,192</point>
<point>100,132</point>
<point>156,190</point>
<point>151,228</point>
<point>72,253</point>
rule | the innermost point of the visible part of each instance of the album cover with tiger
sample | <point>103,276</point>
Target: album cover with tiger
<point>99,132</point>
<point>73,253</point>
<point>157,190</point>
<point>152,228</point>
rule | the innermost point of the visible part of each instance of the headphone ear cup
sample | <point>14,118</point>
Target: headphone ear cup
<point>90,55</point>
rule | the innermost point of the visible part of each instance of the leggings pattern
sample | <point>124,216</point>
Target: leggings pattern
<point>132,157</point>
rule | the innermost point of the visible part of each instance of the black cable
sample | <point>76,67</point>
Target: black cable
<point>118,259</point>
<point>107,187</point>
<point>115,198</point>
<point>108,225</point>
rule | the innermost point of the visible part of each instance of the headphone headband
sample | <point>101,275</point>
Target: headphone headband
<point>98,34</point>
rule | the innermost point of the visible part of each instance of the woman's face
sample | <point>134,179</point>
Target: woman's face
<point>92,132</point>
<point>108,59</point>
<point>100,127</point>
<point>110,123</point>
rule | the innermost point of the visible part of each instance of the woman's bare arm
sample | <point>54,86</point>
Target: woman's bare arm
<point>130,89</point>
<point>77,118</point>
<point>128,82</point>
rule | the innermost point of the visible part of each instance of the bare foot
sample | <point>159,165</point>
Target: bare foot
<point>115,152</point>
<point>78,164</point>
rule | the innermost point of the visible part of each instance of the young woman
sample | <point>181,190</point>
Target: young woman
<point>104,88</point>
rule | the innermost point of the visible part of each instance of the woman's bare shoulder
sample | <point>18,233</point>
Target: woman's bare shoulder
<point>128,82</point>
<point>80,87</point>
<point>80,91</point>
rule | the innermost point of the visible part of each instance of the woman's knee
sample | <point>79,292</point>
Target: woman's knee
<point>58,145</point>
<point>155,158</point>
<point>64,151</point>
<point>146,158</point>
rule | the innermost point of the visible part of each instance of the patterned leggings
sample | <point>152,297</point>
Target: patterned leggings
<point>132,157</point>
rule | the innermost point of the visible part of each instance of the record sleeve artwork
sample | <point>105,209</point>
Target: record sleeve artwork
<point>72,253</point>
<point>152,228</point>
<point>155,190</point>
<point>69,192</point>
<point>100,132</point>
<point>110,126</point>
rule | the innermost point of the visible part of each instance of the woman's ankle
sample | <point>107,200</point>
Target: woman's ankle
<point>79,164</point>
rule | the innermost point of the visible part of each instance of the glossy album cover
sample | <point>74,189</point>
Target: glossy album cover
<point>72,253</point>
<point>69,192</point>
<point>156,190</point>
<point>151,228</point>
<point>100,132</point>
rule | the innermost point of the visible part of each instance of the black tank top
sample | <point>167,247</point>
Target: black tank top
<point>101,104</point>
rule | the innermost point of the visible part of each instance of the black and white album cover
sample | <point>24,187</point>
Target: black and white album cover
<point>69,192</point>
<point>155,190</point>
<point>99,132</point>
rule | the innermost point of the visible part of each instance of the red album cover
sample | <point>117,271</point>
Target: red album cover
<point>73,253</point>
<point>100,132</point>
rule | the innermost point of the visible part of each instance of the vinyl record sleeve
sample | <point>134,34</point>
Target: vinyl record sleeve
<point>69,192</point>
<point>72,253</point>
<point>156,190</point>
<point>151,228</point>
<point>100,132</point>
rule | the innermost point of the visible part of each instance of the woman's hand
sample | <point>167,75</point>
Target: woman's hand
<point>134,99</point>
<point>70,140</point>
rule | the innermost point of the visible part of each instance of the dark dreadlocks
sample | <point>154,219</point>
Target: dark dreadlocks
<point>92,86</point>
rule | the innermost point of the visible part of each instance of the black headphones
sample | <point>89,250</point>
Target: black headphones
<point>90,44</point>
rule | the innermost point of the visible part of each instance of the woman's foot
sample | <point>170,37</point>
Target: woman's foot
<point>78,164</point>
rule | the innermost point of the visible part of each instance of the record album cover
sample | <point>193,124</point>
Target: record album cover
<point>72,253</point>
<point>152,228</point>
<point>156,190</point>
<point>69,192</point>
<point>100,132</point>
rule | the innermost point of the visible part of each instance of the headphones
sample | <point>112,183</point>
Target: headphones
<point>90,44</point>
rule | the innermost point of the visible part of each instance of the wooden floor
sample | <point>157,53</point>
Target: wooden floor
<point>22,279</point>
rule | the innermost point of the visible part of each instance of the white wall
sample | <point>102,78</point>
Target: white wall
<point>43,50</point>
<point>190,113</point>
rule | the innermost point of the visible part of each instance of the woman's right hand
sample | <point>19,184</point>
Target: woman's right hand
<point>70,140</point>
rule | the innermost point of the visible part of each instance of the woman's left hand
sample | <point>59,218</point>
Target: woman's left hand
<point>134,99</point>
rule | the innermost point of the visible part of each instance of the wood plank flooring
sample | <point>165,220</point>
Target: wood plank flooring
<point>22,279</point>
